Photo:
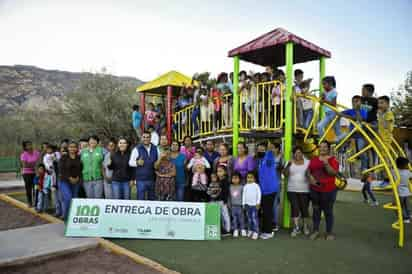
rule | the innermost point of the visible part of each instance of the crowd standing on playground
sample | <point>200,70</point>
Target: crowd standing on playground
<point>247,187</point>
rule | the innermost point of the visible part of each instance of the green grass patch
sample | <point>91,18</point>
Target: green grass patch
<point>365,244</point>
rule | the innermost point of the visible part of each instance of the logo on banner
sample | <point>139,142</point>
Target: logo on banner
<point>86,216</point>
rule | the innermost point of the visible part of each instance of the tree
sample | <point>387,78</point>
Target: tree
<point>102,105</point>
<point>402,102</point>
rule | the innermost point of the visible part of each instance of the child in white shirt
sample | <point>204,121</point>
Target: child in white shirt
<point>251,197</point>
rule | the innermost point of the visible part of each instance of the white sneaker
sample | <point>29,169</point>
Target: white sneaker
<point>236,233</point>
<point>255,236</point>
<point>250,233</point>
<point>375,203</point>
<point>406,221</point>
<point>243,233</point>
<point>266,236</point>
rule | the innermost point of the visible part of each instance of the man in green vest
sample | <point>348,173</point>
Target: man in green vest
<point>92,161</point>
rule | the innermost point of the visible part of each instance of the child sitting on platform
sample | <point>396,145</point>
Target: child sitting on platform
<point>329,96</point>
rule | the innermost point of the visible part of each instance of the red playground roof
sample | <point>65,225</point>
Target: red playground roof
<point>269,49</point>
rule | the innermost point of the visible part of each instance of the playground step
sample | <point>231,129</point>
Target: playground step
<point>24,245</point>
<point>390,206</point>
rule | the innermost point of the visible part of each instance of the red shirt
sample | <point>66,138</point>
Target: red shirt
<point>318,170</point>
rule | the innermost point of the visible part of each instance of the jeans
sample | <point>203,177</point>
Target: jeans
<point>366,189</point>
<point>307,117</point>
<point>329,116</point>
<point>195,116</point>
<point>143,188</point>
<point>28,184</point>
<point>58,200</point>
<point>68,191</point>
<point>323,201</point>
<point>361,143</point>
<point>42,200</point>
<point>238,219</point>
<point>252,218</point>
<point>180,192</point>
<point>107,188</point>
<point>94,189</point>
<point>405,208</point>
<point>224,216</point>
<point>267,210</point>
<point>120,190</point>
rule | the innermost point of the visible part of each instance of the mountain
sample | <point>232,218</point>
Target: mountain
<point>29,86</point>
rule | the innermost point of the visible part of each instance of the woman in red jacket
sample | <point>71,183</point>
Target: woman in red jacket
<point>321,173</point>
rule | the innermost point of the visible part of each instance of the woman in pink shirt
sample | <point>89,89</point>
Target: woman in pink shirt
<point>188,149</point>
<point>29,158</point>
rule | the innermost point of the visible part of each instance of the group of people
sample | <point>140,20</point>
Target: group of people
<point>247,187</point>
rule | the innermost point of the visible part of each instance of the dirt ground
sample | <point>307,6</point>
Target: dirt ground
<point>93,261</point>
<point>12,217</point>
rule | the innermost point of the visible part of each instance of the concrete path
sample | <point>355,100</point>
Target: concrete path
<point>18,246</point>
<point>10,184</point>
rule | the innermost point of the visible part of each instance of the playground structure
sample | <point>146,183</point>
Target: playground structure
<point>275,49</point>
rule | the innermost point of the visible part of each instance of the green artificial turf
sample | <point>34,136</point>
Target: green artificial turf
<point>365,244</point>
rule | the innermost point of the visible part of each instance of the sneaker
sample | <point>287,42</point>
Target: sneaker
<point>226,234</point>
<point>375,203</point>
<point>266,236</point>
<point>275,228</point>
<point>314,235</point>
<point>295,232</point>
<point>330,237</point>
<point>255,236</point>
<point>306,230</point>
<point>235,233</point>
<point>243,233</point>
<point>406,221</point>
<point>250,233</point>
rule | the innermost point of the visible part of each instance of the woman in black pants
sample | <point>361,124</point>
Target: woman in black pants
<point>29,158</point>
<point>322,173</point>
<point>298,191</point>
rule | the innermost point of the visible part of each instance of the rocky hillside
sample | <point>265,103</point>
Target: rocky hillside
<point>28,86</point>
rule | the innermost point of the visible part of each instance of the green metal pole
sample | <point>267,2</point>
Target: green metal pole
<point>288,128</point>
<point>322,63</point>
<point>235,108</point>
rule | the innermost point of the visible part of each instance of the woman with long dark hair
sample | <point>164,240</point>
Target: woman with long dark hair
<point>123,174</point>
<point>322,173</point>
<point>70,168</point>
<point>29,158</point>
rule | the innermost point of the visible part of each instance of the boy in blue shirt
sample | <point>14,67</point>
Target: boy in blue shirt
<point>137,121</point>
<point>358,114</point>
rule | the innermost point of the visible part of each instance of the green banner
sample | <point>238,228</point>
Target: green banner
<point>143,219</point>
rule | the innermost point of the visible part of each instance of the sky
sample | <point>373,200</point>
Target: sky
<point>370,41</point>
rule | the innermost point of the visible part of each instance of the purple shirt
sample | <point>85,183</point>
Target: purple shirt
<point>244,167</point>
<point>31,159</point>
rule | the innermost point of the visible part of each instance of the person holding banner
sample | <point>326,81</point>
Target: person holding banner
<point>123,174</point>
<point>143,158</point>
